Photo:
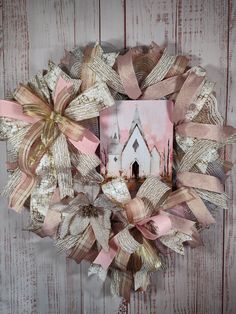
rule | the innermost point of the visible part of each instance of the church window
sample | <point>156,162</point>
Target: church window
<point>135,145</point>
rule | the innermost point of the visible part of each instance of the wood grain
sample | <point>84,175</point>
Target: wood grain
<point>197,22</point>
<point>50,31</point>
<point>33,277</point>
<point>86,22</point>
<point>148,20</point>
<point>112,23</point>
<point>16,279</point>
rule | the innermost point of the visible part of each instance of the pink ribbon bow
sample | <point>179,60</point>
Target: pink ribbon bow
<point>151,227</point>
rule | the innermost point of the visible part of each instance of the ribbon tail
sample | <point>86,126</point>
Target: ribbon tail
<point>83,246</point>
<point>97,270</point>
<point>121,283</point>
<point>200,210</point>
<point>21,192</point>
<point>13,181</point>
<point>61,157</point>
<point>43,192</point>
<point>123,240</point>
<point>50,225</point>
<point>105,258</point>
<point>128,76</point>
<point>182,225</point>
<point>196,239</point>
<point>87,144</point>
<point>141,280</point>
<point>13,110</point>
<point>174,240</point>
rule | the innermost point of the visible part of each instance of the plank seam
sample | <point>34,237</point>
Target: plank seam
<point>125,42</point>
<point>226,118</point>
<point>99,21</point>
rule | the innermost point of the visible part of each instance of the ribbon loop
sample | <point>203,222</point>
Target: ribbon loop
<point>128,76</point>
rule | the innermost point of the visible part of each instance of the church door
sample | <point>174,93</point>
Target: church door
<point>135,170</point>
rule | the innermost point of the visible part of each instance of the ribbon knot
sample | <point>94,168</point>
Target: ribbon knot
<point>151,227</point>
<point>135,210</point>
<point>54,116</point>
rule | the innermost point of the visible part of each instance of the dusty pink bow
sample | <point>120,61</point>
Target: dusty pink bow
<point>151,227</point>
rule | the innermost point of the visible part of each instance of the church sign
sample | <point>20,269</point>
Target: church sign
<point>136,140</point>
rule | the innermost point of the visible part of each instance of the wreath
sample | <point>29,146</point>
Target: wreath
<point>51,128</point>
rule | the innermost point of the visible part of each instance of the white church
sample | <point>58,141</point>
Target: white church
<point>134,159</point>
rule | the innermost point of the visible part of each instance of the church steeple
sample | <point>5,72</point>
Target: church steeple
<point>115,138</point>
<point>136,121</point>
<point>114,144</point>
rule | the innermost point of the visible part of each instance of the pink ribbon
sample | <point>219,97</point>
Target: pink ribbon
<point>187,94</point>
<point>51,223</point>
<point>105,258</point>
<point>212,132</point>
<point>161,222</point>
<point>200,181</point>
<point>128,76</point>
<point>13,110</point>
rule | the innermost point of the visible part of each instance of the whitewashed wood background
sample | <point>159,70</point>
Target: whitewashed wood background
<point>33,278</point>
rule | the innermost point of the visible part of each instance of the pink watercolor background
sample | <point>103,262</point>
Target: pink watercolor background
<point>155,116</point>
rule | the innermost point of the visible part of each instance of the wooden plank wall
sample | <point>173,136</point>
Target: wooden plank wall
<point>33,277</point>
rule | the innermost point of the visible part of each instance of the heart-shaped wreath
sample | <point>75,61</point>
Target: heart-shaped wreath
<point>51,128</point>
